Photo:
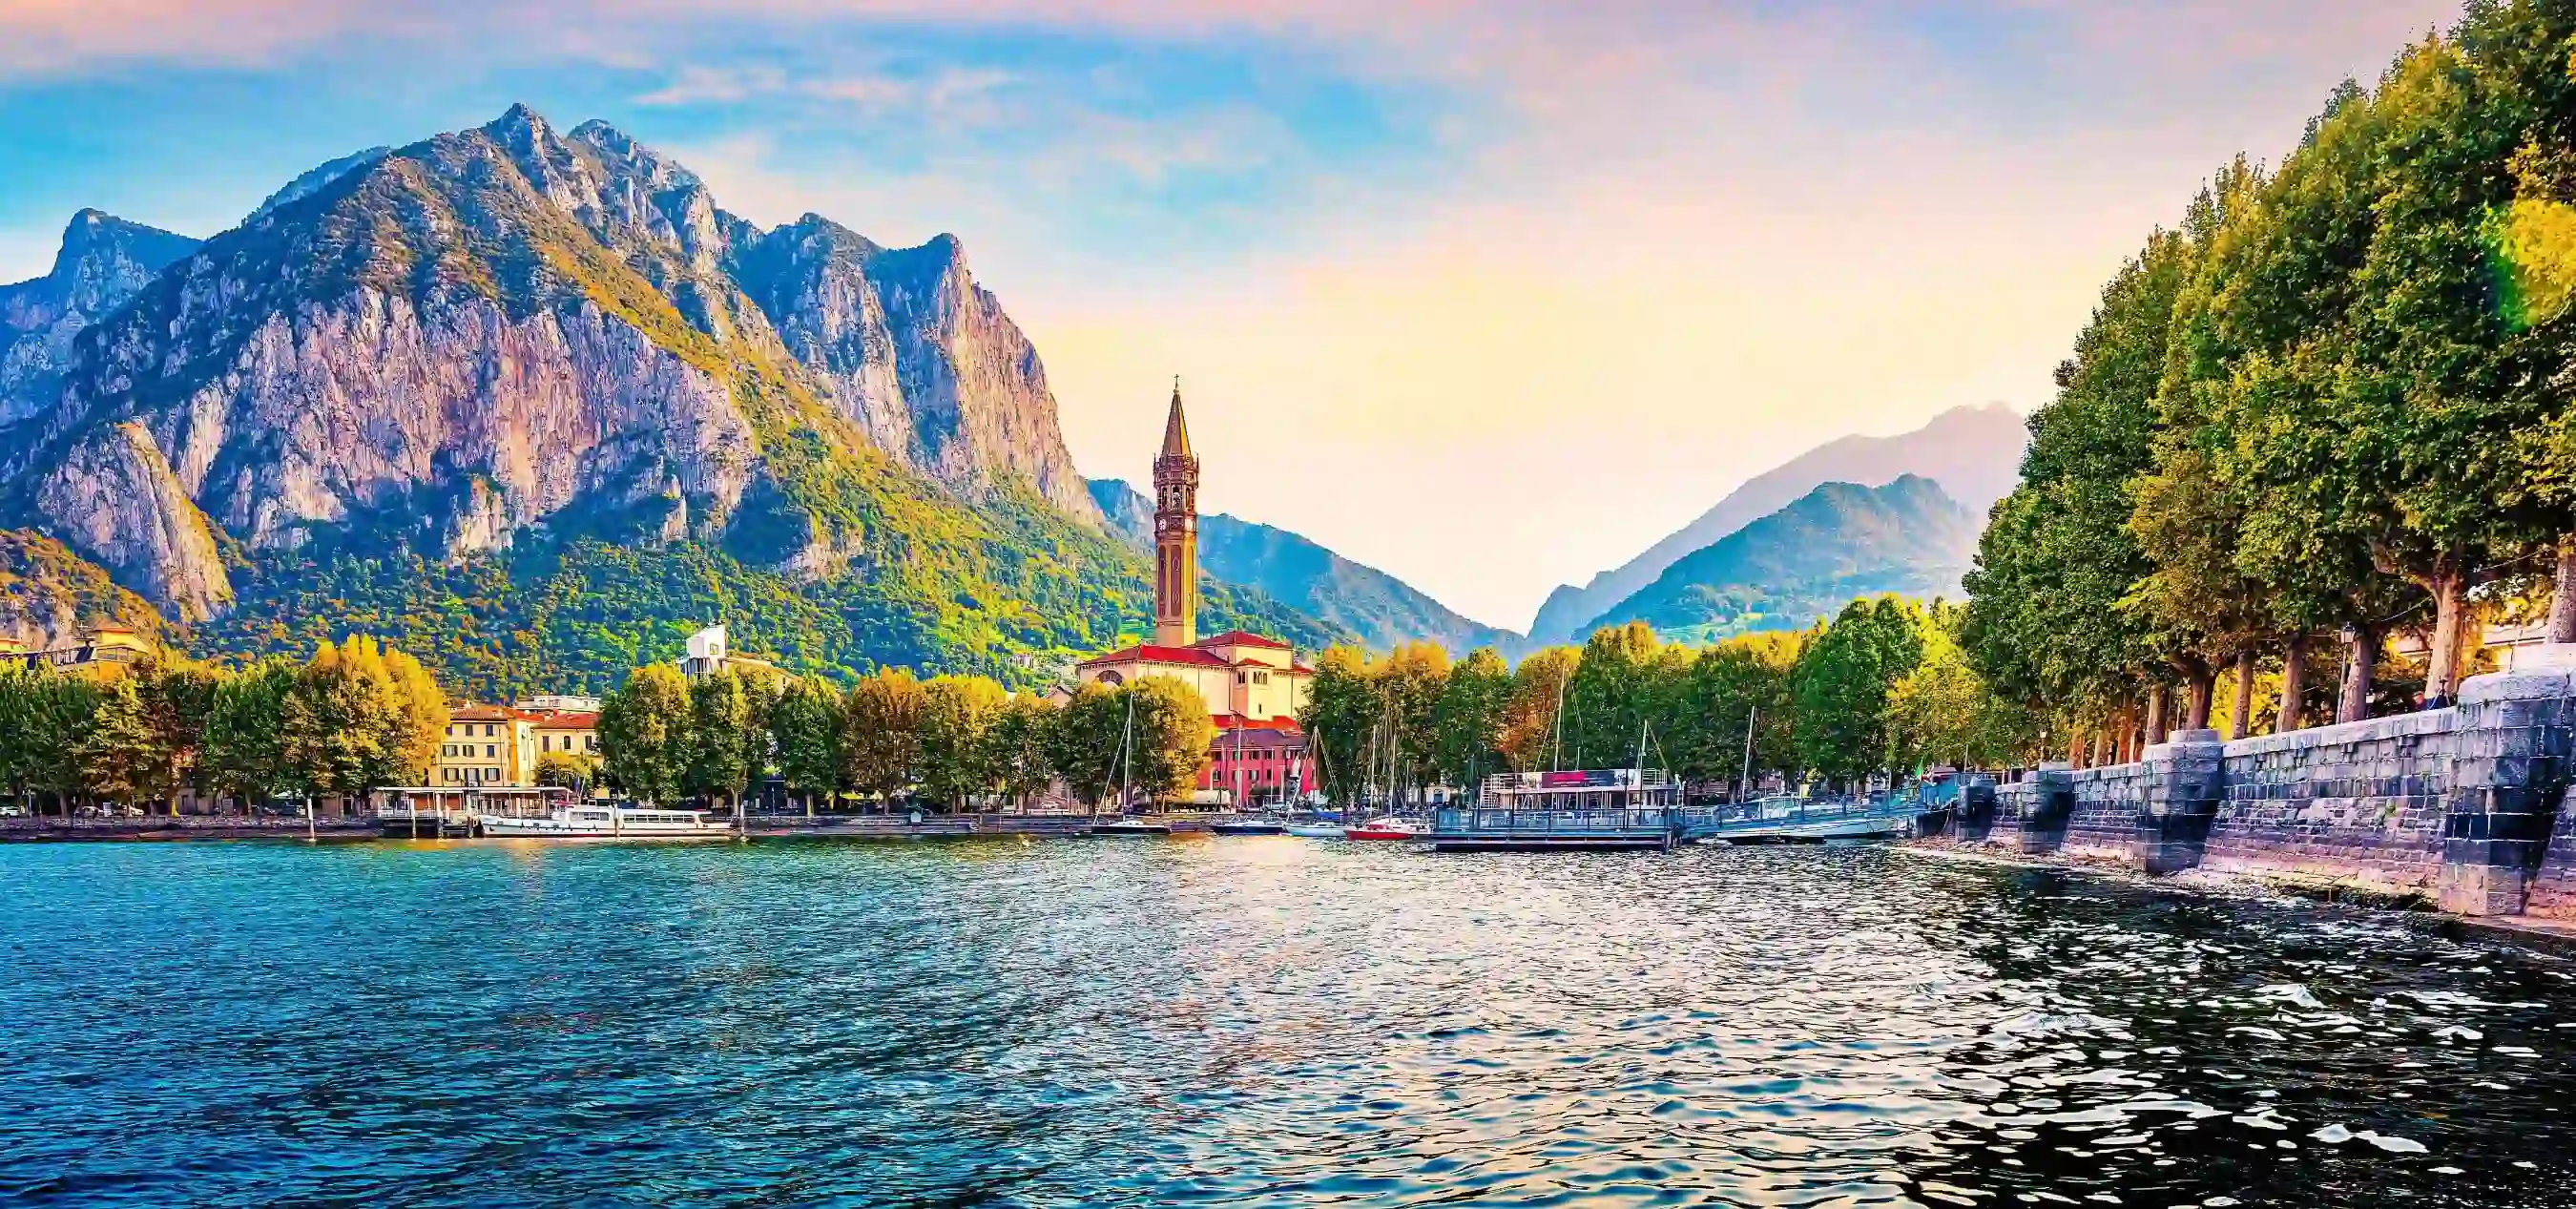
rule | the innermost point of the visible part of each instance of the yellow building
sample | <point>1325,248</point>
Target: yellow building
<point>486,745</point>
<point>1245,679</point>
<point>99,647</point>
<point>566,732</point>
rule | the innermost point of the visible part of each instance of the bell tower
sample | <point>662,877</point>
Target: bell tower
<point>1176,533</point>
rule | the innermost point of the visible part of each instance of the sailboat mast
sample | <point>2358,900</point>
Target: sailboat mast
<point>1745,785</point>
<point>1127,758</point>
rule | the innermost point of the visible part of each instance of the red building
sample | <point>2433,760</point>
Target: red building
<point>1258,762</point>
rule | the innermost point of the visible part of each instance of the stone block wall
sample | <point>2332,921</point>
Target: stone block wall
<point>2464,806</point>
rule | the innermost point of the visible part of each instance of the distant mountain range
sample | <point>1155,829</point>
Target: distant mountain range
<point>1785,570</point>
<point>530,403</point>
<point>1974,453</point>
<point>1380,608</point>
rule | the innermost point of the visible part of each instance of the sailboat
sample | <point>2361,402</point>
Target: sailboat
<point>1125,823</point>
<point>1392,825</point>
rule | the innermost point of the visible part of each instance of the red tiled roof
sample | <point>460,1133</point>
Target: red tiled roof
<point>551,721</point>
<point>1231,721</point>
<point>1241,638</point>
<point>482,713</point>
<point>1149,653</point>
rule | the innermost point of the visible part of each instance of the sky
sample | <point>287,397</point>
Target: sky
<point>1489,295</point>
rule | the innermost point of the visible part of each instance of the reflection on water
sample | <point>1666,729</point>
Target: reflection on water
<point>1242,1021</point>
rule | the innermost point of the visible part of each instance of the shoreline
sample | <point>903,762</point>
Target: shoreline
<point>2555,936</point>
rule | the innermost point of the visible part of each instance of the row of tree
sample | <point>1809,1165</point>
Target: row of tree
<point>2329,407</point>
<point>354,716</point>
<point>954,740</point>
<point>1883,688</point>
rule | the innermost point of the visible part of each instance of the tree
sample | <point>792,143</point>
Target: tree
<point>1842,686</point>
<point>175,696</point>
<point>244,752</point>
<point>1626,689</point>
<point>1409,685</point>
<point>358,717</point>
<point>120,754</point>
<point>720,722</point>
<point>1738,685</point>
<point>645,743</point>
<point>1170,746</point>
<point>567,770</point>
<point>882,752</point>
<point>807,726</point>
<point>1343,711</point>
<point>1083,740</point>
<point>1539,688</point>
<point>1016,747</point>
<point>1467,722</point>
<point>955,724</point>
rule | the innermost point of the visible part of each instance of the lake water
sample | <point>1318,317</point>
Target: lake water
<point>1242,1022</point>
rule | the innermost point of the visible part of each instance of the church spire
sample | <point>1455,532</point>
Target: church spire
<point>1176,533</point>
<point>1176,430</point>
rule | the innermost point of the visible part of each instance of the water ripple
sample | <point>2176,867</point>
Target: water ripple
<point>1241,1022</point>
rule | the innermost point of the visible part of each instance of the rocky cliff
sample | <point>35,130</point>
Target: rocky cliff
<point>104,261</point>
<point>461,390</point>
<point>506,327</point>
<point>48,594</point>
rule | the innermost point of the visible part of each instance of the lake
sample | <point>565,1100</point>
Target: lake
<point>1251,1021</point>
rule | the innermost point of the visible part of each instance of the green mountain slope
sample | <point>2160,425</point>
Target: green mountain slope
<point>1380,608</point>
<point>501,396</point>
<point>1805,561</point>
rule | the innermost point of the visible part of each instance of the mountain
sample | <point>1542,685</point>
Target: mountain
<point>314,179</point>
<point>1380,608</point>
<point>1974,453</point>
<point>104,260</point>
<point>531,399</point>
<point>1785,570</point>
<point>47,594</point>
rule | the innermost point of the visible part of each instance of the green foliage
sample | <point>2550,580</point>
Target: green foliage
<point>645,744</point>
<point>719,738</point>
<point>882,733</point>
<point>1084,743</point>
<point>807,726</point>
<point>1842,685</point>
<point>1169,745</point>
<point>360,715</point>
<point>956,722</point>
<point>567,770</point>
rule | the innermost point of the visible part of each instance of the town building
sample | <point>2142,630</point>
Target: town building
<point>564,732</point>
<point>1252,685</point>
<point>710,654</point>
<point>557,703</point>
<point>99,647</point>
<point>486,745</point>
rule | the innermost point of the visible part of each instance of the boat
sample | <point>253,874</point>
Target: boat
<point>603,823</point>
<point>1316,831</point>
<point>1249,827</point>
<point>1130,826</point>
<point>1386,828</point>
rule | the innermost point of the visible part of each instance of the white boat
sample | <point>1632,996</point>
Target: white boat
<point>1316,831</point>
<point>604,823</point>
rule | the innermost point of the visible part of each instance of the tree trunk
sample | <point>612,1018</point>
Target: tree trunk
<point>2450,622</point>
<point>2562,605</point>
<point>2074,747</point>
<point>2101,739</point>
<point>2238,718</point>
<point>2202,686</point>
<point>2360,660</point>
<point>2155,717</point>
<point>2294,684</point>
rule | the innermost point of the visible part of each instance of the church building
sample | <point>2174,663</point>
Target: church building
<point>1253,685</point>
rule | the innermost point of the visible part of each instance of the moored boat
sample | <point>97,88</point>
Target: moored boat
<point>603,823</point>
<point>1316,831</point>
<point>1249,827</point>
<point>1388,828</point>
<point>1130,826</point>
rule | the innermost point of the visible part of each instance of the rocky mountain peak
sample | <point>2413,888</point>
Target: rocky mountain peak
<point>103,261</point>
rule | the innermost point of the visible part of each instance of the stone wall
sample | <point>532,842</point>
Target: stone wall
<point>2464,806</point>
